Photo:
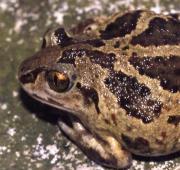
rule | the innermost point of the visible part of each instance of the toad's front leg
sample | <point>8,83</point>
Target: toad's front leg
<point>107,151</point>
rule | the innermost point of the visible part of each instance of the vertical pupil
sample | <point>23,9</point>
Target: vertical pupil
<point>55,80</point>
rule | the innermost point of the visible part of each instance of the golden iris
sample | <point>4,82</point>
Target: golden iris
<point>58,81</point>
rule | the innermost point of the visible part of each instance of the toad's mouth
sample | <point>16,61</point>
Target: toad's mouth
<point>47,99</point>
<point>52,103</point>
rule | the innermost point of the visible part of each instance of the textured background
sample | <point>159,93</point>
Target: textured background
<point>29,137</point>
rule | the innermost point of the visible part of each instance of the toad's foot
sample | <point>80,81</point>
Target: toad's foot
<point>107,151</point>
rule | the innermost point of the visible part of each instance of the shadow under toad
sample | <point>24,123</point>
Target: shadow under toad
<point>42,111</point>
<point>157,158</point>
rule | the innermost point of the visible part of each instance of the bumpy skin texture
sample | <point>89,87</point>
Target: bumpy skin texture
<point>125,84</point>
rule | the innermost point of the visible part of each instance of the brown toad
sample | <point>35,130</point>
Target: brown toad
<point>118,78</point>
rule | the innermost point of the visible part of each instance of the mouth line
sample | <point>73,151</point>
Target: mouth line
<point>52,103</point>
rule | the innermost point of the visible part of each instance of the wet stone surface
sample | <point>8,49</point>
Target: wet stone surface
<point>29,137</point>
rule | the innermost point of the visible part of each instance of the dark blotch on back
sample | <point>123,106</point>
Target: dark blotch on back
<point>94,42</point>
<point>133,96</point>
<point>62,38</point>
<point>117,44</point>
<point>90,95</point>
<point>121,26</point>
<point>175,119</point>
<point>113,117</point>
<point>103,59</point>
<point>175,16</point>
<point>165,69</point>
<point>91,42</point>
<point>159,32</point>
<point>139,143</point>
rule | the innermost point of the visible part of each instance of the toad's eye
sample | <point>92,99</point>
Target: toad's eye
<point>58,81</point>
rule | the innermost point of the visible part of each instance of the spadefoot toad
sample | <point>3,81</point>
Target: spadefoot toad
<point>119,79</point>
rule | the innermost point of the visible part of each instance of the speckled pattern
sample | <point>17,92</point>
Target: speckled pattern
<point>29,137</point>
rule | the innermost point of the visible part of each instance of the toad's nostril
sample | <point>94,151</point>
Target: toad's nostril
<point>26,78</point>
<point>37,63</point>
